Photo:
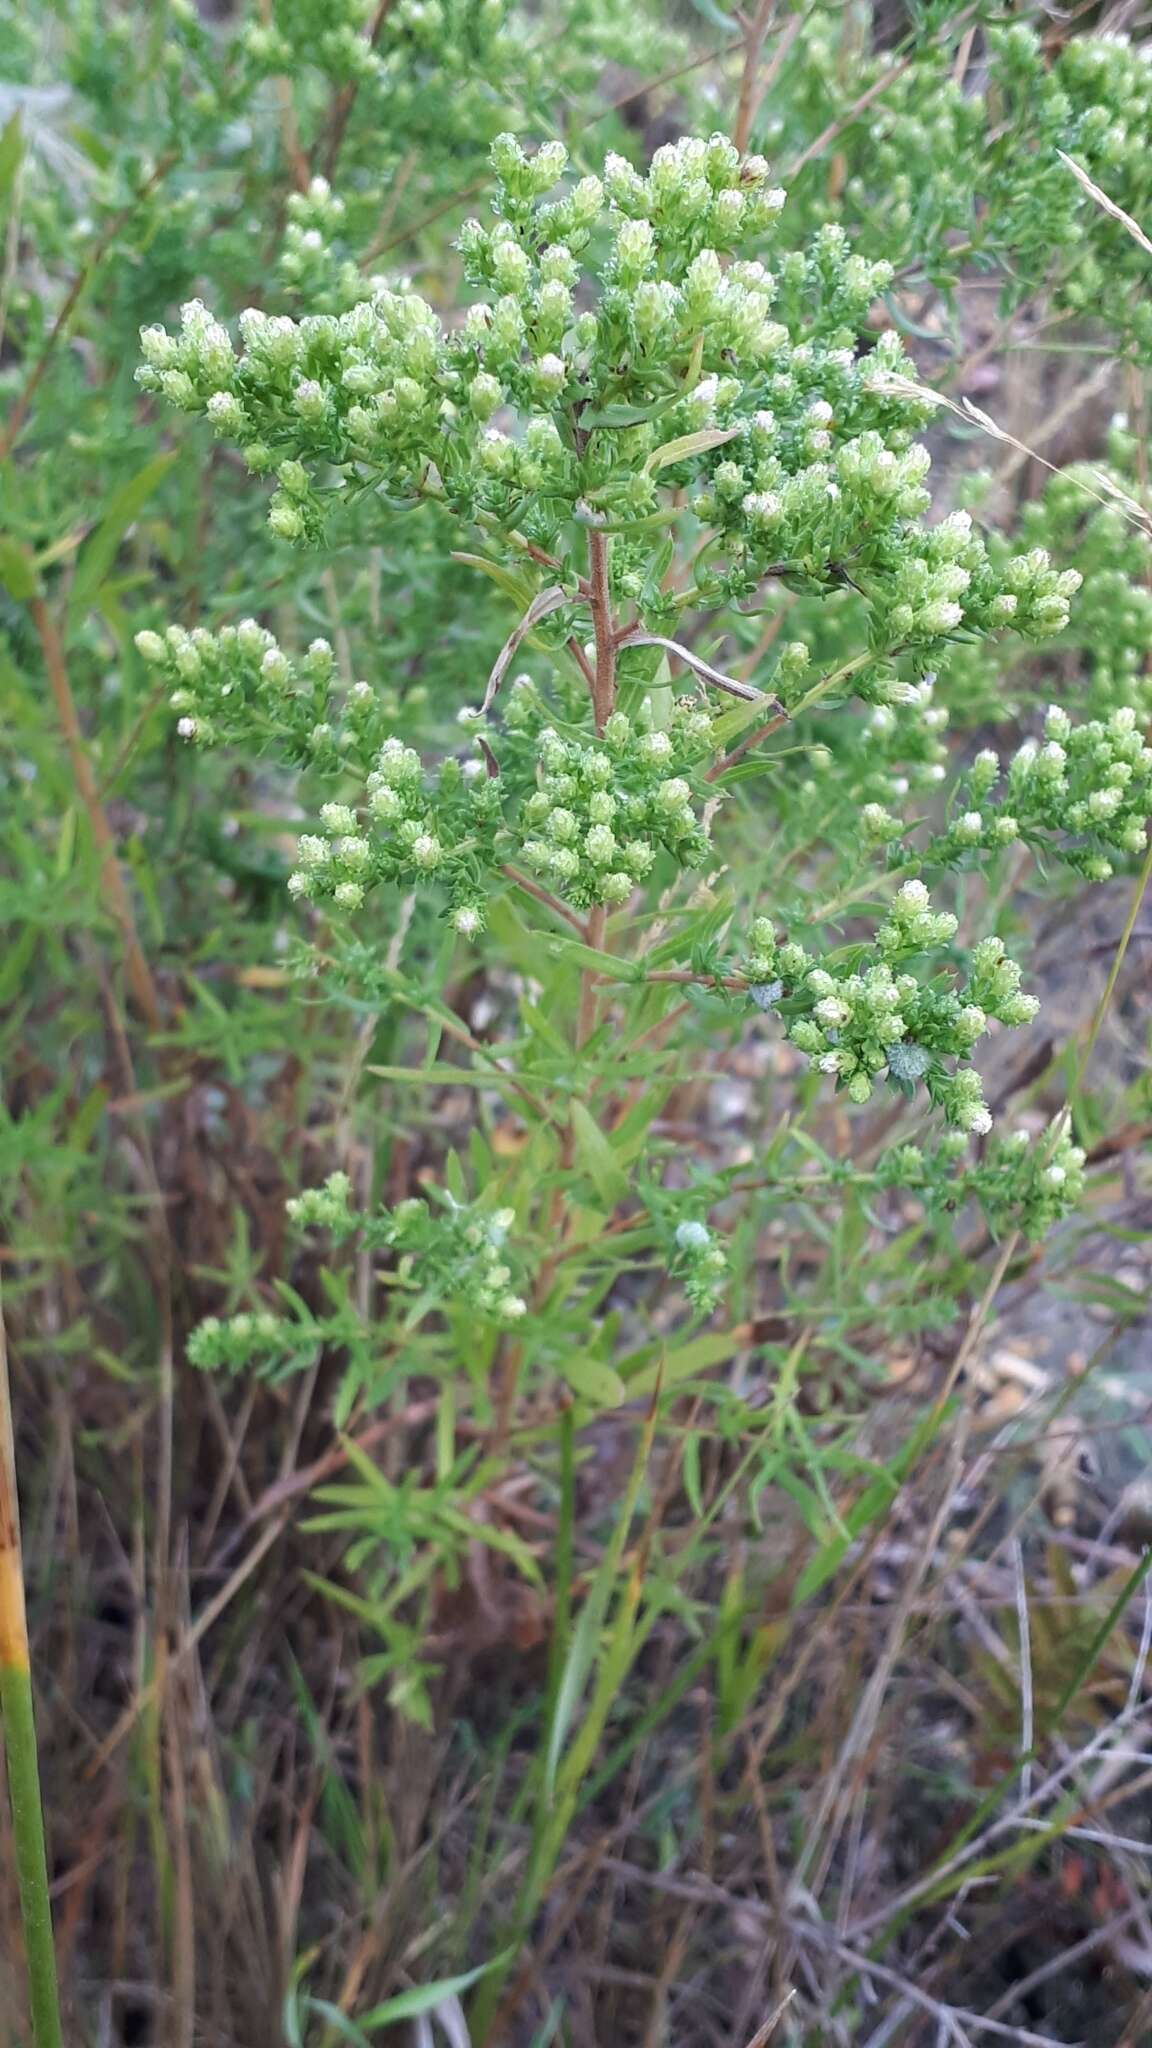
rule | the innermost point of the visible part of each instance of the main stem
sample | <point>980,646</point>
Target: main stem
<point>600,603</point>
<point>17,1715</point>
<point>603,688</point>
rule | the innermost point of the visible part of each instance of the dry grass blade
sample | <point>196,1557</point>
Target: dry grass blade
<point>764,2033</point>
<point>1102,200</point>
<point>542,604</point>
<point>700,667</point>
<point>974,415</point>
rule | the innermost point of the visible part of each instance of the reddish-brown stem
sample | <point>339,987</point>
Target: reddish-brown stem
<point>750,98</point>
<point>546,897</point>
<point>599,598</point>
<point>140,982</point>
<point>582,663</point>
<point>684,978</point>
<point>594,937</point>
<point>738,752</point>
<point>603,687</point>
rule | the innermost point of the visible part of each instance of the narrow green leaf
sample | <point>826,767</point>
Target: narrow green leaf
<point>123,508</point>
<point>11,150</point>
<point>409,2004</point>
<point>642,1369</point>
<point>689,444</point>
<point>593,1380</point>
<point>597,1157</point>
<point>519,588</point>
<point>874,1501</point>
<point>338,2021</point>
<point>17,569</point>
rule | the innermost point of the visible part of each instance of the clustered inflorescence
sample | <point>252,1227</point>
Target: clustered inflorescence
<point>857,1017</point>
<point>633,375</point>
<point>441,1250</point>
<point>465,1244</point>
<point>796,452</point>
<point>938,166</point>
<point>1083,793</point>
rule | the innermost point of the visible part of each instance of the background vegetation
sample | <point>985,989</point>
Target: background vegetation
<point>748,1643</point>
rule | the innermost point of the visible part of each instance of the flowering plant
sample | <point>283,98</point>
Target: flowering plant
<point>570,781</point>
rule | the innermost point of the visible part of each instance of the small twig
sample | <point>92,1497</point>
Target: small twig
<point>545,897</point>
<point>582,661</point>
<point>879,85</point>
<point>683,977</point>
<point>11,245</point>
<point>764,2033</point>
<point>750,740</point>
<point>956,2015</point>
<point>1102,1007</point>
<point>594,937</point>
<point>836,128</point>
<point>154,1690</point>
<point>1022,1624</point>
<point>749,100</point>
<point>289,133</point>
<point>346,97</point>
<point>339,629</point>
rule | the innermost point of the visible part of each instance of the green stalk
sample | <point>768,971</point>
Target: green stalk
<point>19,1725</point>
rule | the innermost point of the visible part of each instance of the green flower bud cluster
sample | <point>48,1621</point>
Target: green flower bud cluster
<point>902,752</point>
<point>382,384</point>
<point>604,809</point>
<point>626,351</point>
<point>325,1208</point>
<point>1028,1182</point>
<point>857,1019</point>
<point>924,176</point>
<point>698,1261</point>
<point>1109,630</point>
<point>1022,1182</point>
<point>1082,796</point>
<point>238,685</point>
<point>456,1252</point>
<point>955,583</point>
<point>1107,82</point>
<point>409,830</point>
<point>862,500</point>
<point>452,1253</point>
<point>257,1341</point>
<point>329,34</point>
<point>358,386</point>
<point>1111,626</point>
<point>312,264</point>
